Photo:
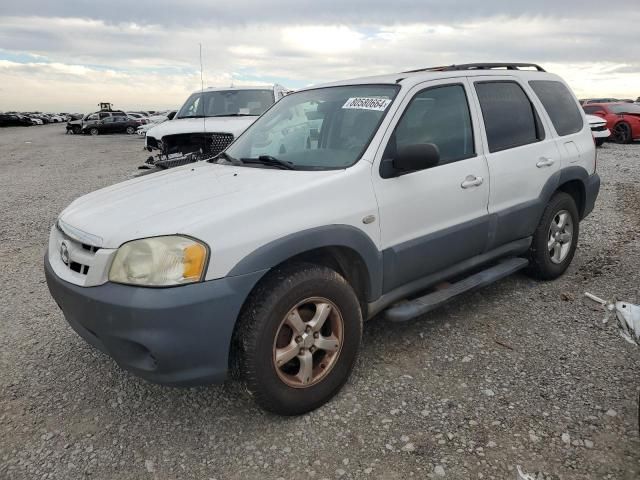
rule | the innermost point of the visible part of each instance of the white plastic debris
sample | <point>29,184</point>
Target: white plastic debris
<point>627,314</point>
<point>522,475</point>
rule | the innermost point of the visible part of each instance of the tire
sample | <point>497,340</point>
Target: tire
<point>131,130</point>
<point>546,262</point>
<point>93,131</point>
<point>599,142</point>
<point>77,130</point>
<point>264,330</point>
<point>622,133</point>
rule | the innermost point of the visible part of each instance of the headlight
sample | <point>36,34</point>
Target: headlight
<point>159,262</point>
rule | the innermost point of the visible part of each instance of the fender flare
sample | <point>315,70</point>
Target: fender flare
<point>284,248</point>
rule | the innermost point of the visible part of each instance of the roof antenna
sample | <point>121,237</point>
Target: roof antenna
<point>204,125</point>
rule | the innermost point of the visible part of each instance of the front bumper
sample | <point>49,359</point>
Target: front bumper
<point>601,133</point>
<point>591,190</point>
<point>174,336</point>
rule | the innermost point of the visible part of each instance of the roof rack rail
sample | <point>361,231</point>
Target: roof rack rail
<point>479,66</point>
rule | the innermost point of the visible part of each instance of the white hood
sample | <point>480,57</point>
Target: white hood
<point>596,120</point>
<point>233,125</point>
<point>181,200</point>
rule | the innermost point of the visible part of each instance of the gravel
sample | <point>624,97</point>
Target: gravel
<point>520,373</point>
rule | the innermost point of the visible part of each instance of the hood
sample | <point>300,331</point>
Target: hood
<point>595,120</point>
<point>174,201</point>
<point>234,125</point>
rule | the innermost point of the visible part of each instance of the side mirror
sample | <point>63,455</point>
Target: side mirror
<point>411,158</point>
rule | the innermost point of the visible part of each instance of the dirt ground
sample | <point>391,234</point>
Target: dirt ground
<point>520,373</point>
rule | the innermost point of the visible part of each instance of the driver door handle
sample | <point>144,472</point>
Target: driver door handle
<point>471,181</point>
<point>545,162</point>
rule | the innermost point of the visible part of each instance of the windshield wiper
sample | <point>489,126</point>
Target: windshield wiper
<point>226,156</point>
<point>270,161</point>
<point>235,115</point>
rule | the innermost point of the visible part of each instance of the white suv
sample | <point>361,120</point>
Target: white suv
<point>341,202</point>
<point>208,122</point>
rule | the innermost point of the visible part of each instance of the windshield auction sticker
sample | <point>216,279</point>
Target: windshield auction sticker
<point>367,103</point>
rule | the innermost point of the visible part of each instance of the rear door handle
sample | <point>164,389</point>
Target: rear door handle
<point>472,181</point>
<point>545,162</point>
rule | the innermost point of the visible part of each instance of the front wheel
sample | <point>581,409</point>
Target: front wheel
<point>298,338</point>
<point>131,130</point>
<point>555,239</point>
<point>599,142</point>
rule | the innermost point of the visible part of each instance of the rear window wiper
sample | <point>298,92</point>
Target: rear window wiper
<point>270,161</point>
<point>226,156</point>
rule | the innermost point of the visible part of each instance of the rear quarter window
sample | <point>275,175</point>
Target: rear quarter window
<point>560,105</point>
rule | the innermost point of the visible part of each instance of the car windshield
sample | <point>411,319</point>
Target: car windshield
<point>625,108</point>
<point>320,129</point>
<point>224,103</point>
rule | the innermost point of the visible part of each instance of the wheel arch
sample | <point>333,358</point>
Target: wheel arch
<point>345,248</point>
<point>571,180</point>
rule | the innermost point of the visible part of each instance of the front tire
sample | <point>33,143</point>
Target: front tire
<point>599,142</point>
<point>555,239</point>
<point>298,338</point>
<point>131,130</point>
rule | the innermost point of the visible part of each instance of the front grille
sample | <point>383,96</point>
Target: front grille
<point>152,142</point>
<point>220,141</point>
<point>79,256</point>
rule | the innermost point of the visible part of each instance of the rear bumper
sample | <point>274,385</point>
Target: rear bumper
<point>591,188</point>
<point>174,336</point>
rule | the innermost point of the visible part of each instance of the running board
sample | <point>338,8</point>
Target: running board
<point>402,312</point>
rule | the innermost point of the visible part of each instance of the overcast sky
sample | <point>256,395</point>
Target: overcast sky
<point>69,55</point>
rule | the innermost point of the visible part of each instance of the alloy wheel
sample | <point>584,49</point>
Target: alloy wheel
<point>560,236</point>
<point>308,342</point>
<point>622,133</point>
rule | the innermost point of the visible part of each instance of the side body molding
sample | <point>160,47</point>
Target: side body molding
<point>520,221</point>
<point>277,251</point>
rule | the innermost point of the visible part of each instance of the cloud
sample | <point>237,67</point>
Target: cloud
<point>77,53</point>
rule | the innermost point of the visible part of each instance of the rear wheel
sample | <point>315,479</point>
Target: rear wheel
<point>298,338</point>
<point>555,239</point>
<point>622,133</point>
<point>94,131</point>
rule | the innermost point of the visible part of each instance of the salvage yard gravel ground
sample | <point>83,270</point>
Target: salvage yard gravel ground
<point>519,373</point>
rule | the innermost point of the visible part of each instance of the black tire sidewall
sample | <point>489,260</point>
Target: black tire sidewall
<point>260,372</point>
<point>541,264</point>
<point>629,132</point>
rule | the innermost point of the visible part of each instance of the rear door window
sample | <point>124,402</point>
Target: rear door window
<point>560,105</point>
<point>510,118</point>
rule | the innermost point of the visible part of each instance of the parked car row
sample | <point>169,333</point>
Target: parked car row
<point>113,121</point>
<point>28,119</point>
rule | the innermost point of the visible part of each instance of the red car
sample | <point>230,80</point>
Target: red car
<point>623,119</point>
